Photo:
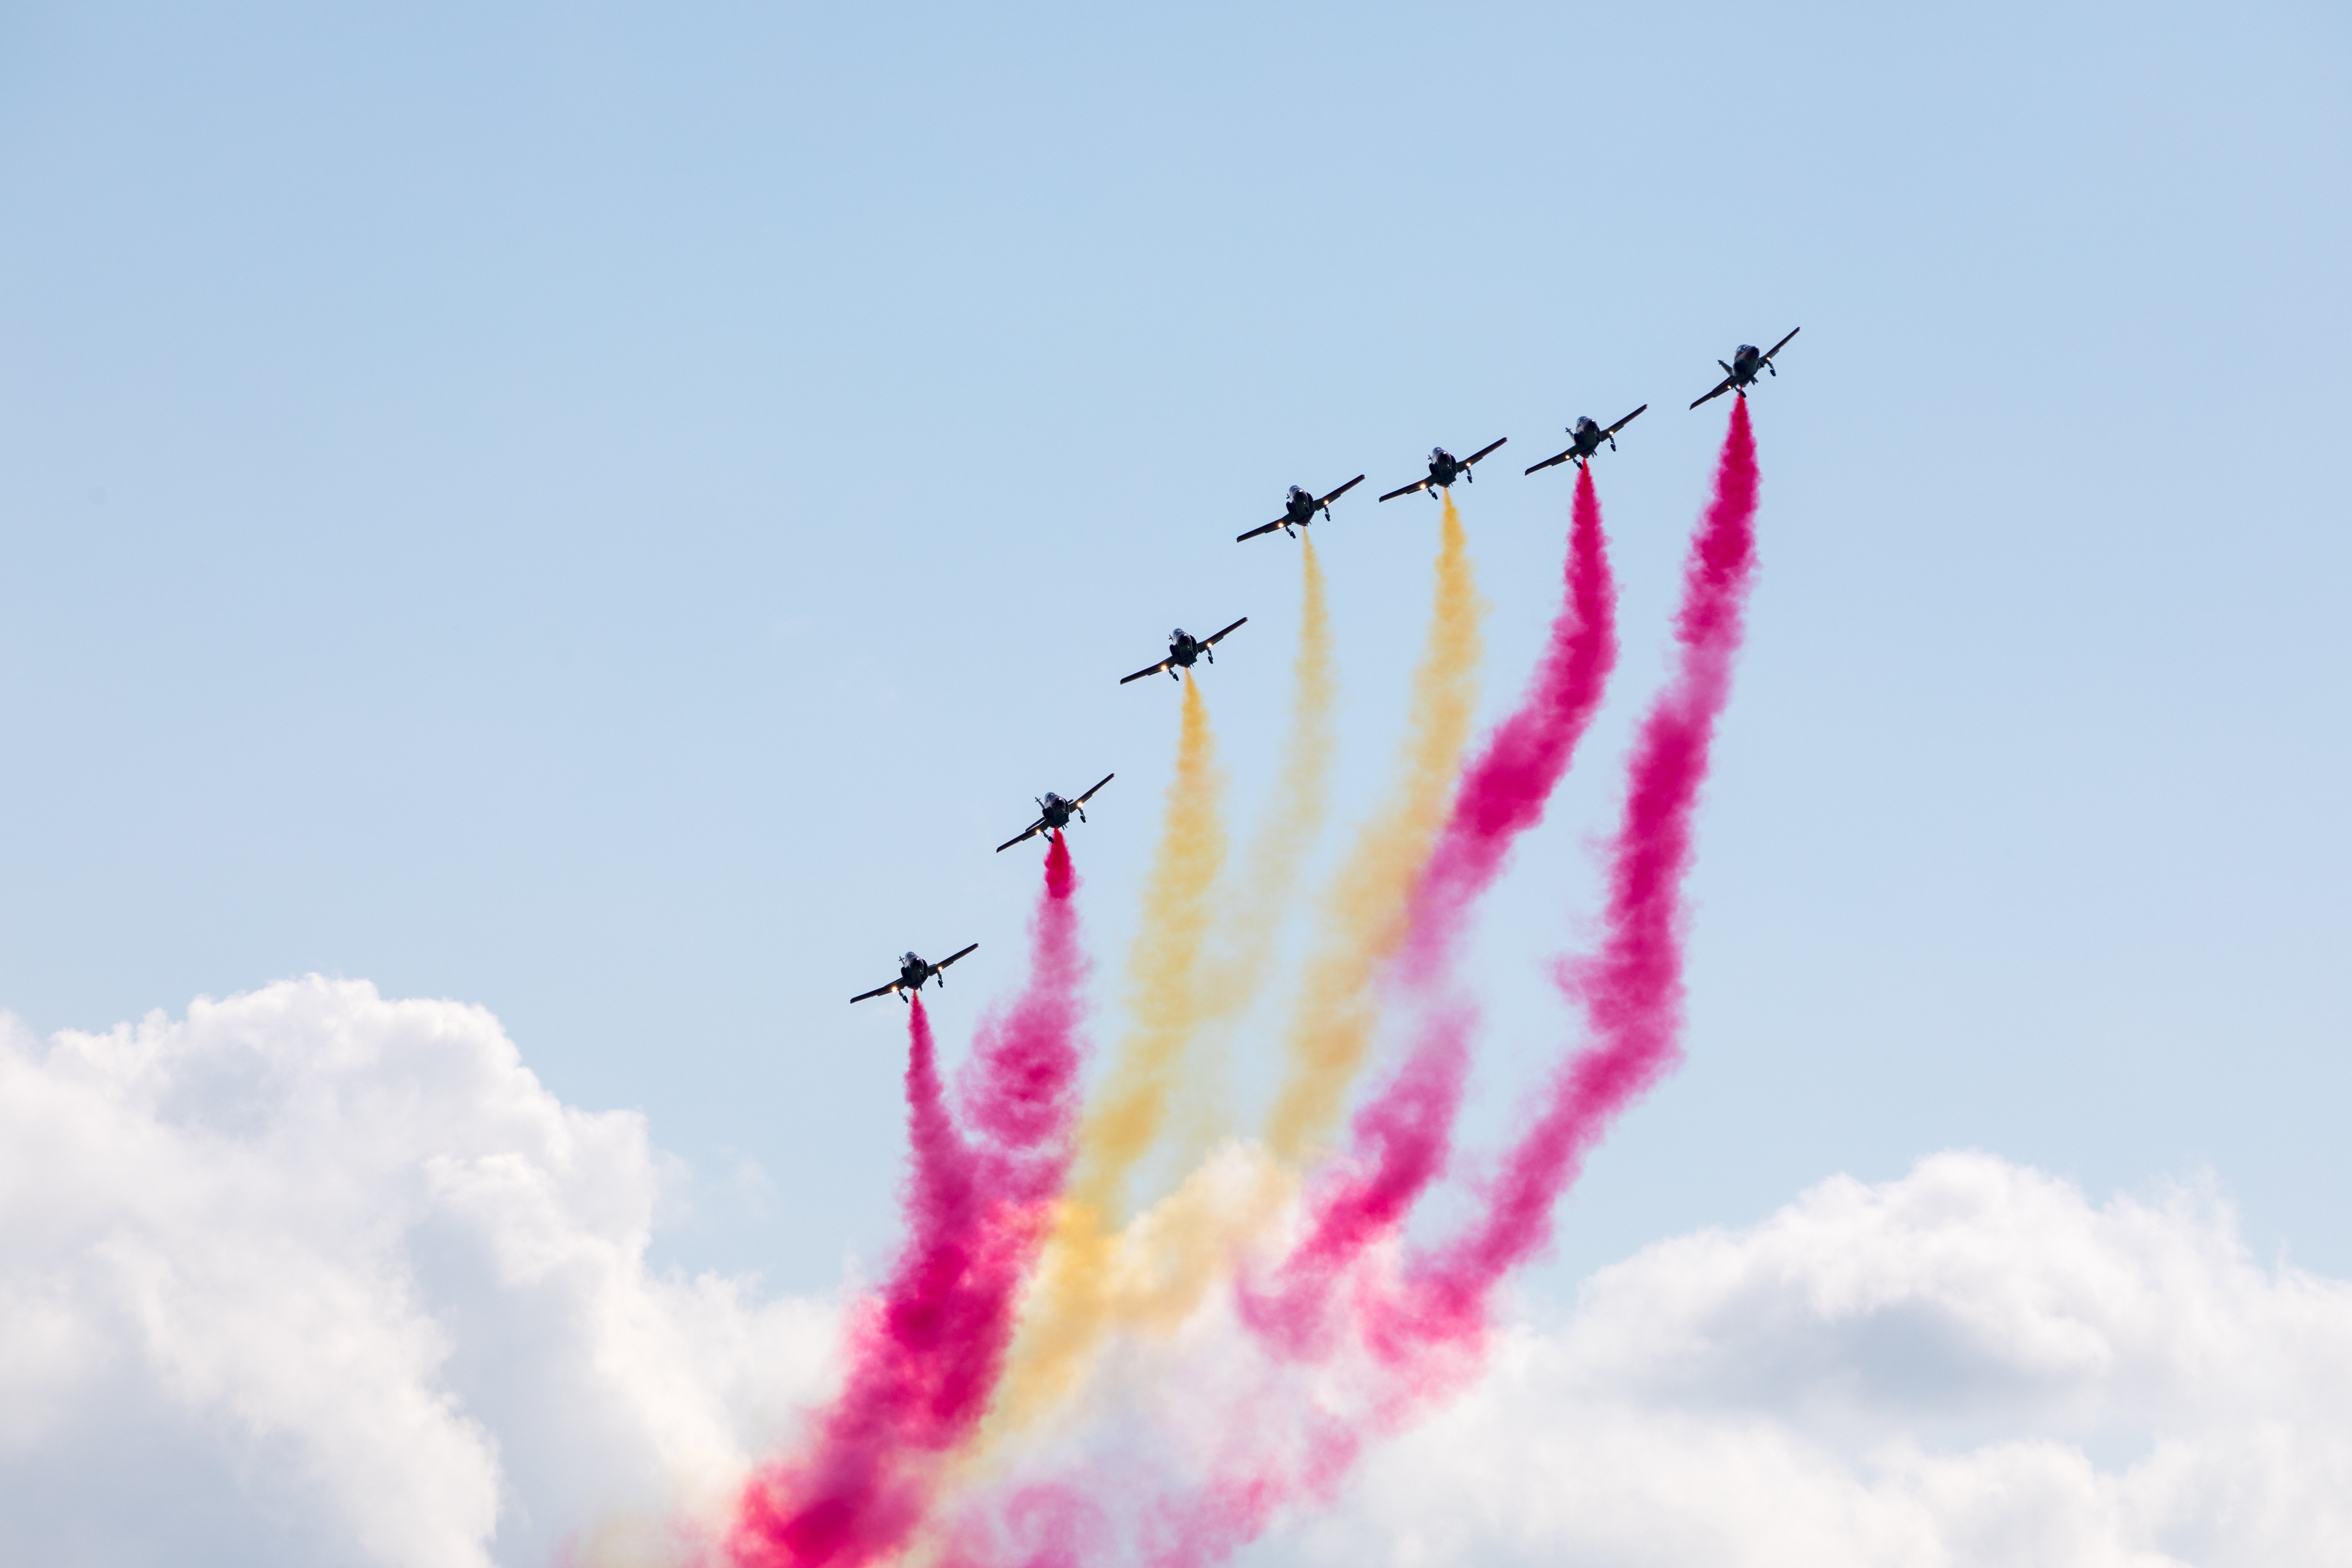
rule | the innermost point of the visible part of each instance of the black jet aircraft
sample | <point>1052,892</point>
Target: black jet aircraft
<point>1445,468</point>
<point>912,973</point>
<point>1054,815</point>
<point>1740,373</point>
<point>1300,509</point>
<point>1589,437</point>
<point>1183,648</point>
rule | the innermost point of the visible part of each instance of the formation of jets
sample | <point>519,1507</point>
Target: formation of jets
<point>1587,436</point>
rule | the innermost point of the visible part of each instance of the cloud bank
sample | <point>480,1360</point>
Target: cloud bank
<point>1968,1367</point>
<point>310,1277</point>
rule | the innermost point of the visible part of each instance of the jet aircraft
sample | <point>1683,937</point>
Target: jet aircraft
<point>1589,437</point>
<point>1445,468</point>
<point>1054,815</point>
<point>1183,648</point>
<point>912,973</point>
<point>1300,509</point>
<point>1740,373</point>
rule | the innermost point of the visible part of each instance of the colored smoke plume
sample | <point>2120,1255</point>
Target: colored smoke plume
<point>1248,931</point>
<point>926,1352</point>
<point>1290,1429</point>
<point>1504,792</point>
<point>1066,1312</point>
<point>1399,1140</point>
<point>1631,989</point>
<point>1154,1272</point>
<point>1364,910</point>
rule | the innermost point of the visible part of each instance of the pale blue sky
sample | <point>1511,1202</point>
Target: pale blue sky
<point>611,515</point>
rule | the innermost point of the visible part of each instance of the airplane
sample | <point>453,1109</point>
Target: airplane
<point>1589,437</point>
<point>1182,649</point>
<point>1445,468</point>
<point>1300,511</point>
<point>1055,814</point>
<point>1741,371</point>
<point>912,973</point>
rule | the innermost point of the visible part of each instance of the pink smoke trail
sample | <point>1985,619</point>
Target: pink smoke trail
<point>1399,1140</point>
<point>1504,792</point>
<point>1631,989</point>
<point>925,1352</point>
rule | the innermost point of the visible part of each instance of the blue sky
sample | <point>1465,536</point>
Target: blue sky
<point>611,514</point>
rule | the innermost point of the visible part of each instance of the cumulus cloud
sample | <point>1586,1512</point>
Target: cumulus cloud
<point>314,1277</point>
<point>1971,1366</point>
<point>310,1277</point>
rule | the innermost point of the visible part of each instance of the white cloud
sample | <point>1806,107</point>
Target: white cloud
<point>311,1276</point>
<point>1972,1367</point>
<point>314,1277</point>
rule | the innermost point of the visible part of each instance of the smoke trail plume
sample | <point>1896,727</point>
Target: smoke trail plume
<point>1066,1312</point>
<point>1631,990</point>
<point>1365,907</point>
<point>1247,934</point>
<point>1399,1140</point>
<point>1283,1430</point>
<point>924,1353</point>
<point>1155,1271</point>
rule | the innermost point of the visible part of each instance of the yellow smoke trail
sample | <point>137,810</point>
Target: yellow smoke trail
<point>1249,923</point>
<point>1364,907</point>
<point>1154,1273</point>
<point>1065,1311</point>
<point>1279,847</point>
<point>1169,1257</point>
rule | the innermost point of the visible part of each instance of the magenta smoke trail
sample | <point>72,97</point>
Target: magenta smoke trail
<point>924,1353</point>
<point>1504,792</point>
<point>1401,1138</point>
<point>1631,990</point>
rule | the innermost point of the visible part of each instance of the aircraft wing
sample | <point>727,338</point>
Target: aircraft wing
<point>1549,462</point>
<point>951,958</point>
<point>1208,640</point>
<point>1090,794</point>
<point>1720,388</point>
<point>1627,420</point>
<point>877,991</point>
<point>1417,484</point>
<point>1254,532</point>
<point>1343,490</point>
<point>1482,452</point>
<point>1783,344</point>
<point>1140,674</point>
<point>1027,832</point>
